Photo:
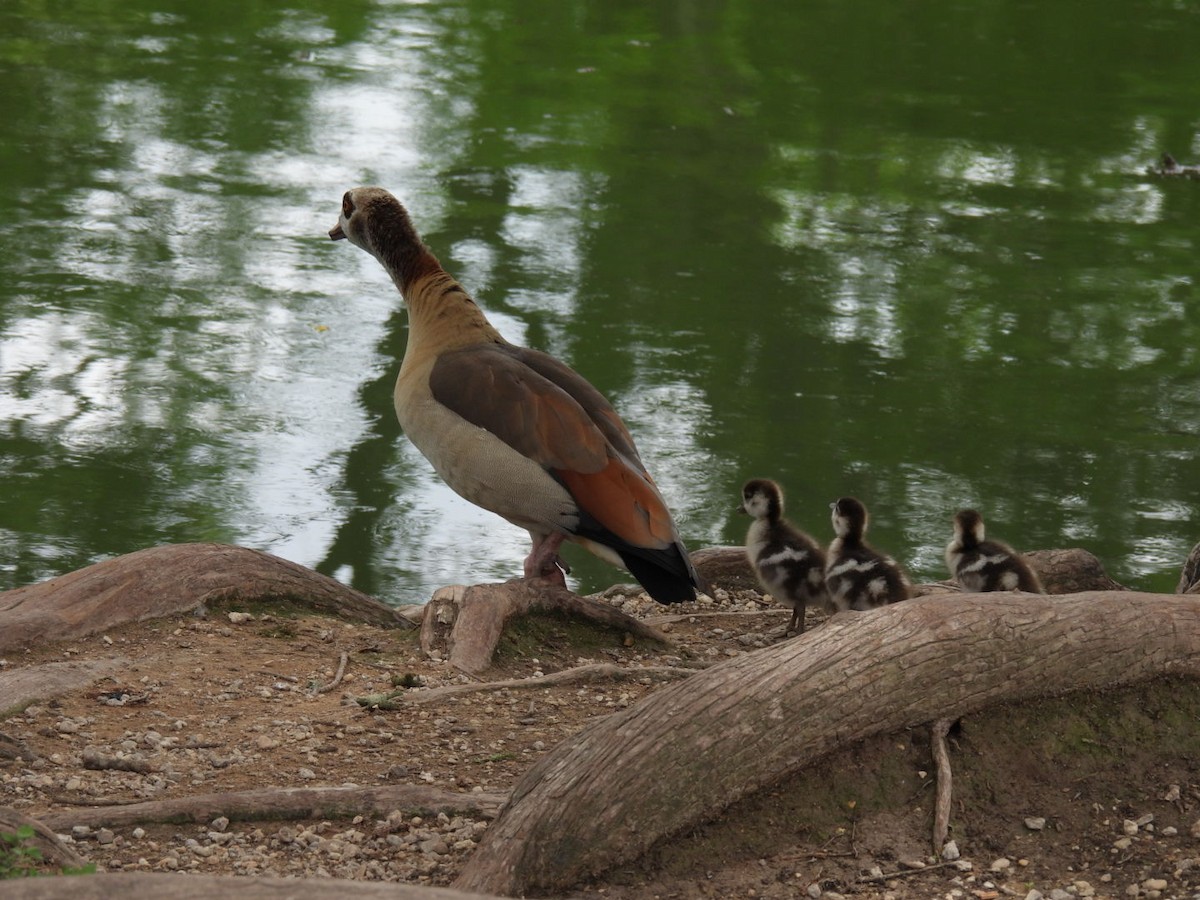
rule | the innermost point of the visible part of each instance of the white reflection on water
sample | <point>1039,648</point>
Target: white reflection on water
<point>966,163</point>
<point>666,418</point>
<point>859,240</point>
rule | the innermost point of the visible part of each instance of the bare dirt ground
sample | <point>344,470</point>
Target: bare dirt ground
<point>1079,796</point>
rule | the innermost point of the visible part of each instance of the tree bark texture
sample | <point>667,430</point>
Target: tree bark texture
<point>1070,571</point>
<point>168,580</point>
<point>159,886</point>
<point>684,753</point>
<point>469,621</point>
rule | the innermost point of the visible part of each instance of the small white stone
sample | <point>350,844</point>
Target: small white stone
<point>1035,823</point>
<point>1130,827</point>
<point>950,851</point>
<point>240,618</point>
<point>1155,884</point>
<point>1000,865</point>
<point>1172,793</point>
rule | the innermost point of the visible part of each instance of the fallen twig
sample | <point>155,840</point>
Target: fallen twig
<point>591,672</point>
<point>727,614</point>
<point>337,679</point>
<point>901,873</point>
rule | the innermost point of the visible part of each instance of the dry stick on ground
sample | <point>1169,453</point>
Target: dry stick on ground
<point>283,803</point>
<point>903,873</point>
<point>173,579</point>
<point>671,619</point>
<point>337,679</point>
<point>591,672</point>
<point>941,759</point>
<point>161,886</point>
<point>681,755</point>
<point>470,620</point>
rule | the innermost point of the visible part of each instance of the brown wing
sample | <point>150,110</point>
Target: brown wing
<point>550,414</point>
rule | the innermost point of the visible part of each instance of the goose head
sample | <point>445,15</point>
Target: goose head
<point>375,221</point>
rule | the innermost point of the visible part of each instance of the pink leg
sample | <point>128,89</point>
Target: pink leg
<point>543,561</point>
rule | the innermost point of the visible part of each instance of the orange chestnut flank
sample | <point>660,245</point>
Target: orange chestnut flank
<point>515,430</point>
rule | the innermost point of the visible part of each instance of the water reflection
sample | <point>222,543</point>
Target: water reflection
<point>814,254</point>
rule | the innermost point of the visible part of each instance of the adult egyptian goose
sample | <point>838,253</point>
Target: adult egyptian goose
<point>512,429</point>
<point>982,565</point>
<point>789,564</point>
<point>858,576</point>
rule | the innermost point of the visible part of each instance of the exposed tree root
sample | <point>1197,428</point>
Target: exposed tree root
<point>282,803</point>
<point>468,621</point>
<point>684,753</point>
<point>154,886</point>
<point>941,759</point>
<point>44,839</point>
<point>21,687</point>
<point>173,579</point>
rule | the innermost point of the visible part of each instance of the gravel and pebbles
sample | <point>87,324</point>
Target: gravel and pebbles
<point>215,706</point>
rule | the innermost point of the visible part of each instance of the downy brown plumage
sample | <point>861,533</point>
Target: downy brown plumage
<point>857,575</point>
<point>512,429</point>
<point>790,564</point>
<point>982,565</point>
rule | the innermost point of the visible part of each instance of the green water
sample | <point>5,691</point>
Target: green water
<point>900,252</point>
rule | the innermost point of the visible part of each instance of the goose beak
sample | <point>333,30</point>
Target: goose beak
<point>336,233</point>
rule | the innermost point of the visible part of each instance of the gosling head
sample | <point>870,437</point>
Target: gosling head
<point>849,517</point>
<point>762,499</point>
<point>968,527</point>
